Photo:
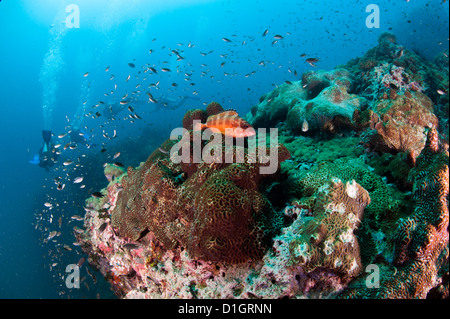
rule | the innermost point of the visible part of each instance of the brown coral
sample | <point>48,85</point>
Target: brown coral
<point>367,64</point>
<point>229,212</point>
<point>148,190</point>
<point>216,211</point>
<point>403,121</point>
<point>327,240</point>
<point>214,108</point>
<point>191,116</point>
<point>421,240</point>
<point>430,191</point>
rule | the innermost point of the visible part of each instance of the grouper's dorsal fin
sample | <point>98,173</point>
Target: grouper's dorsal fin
<point>227,113</point>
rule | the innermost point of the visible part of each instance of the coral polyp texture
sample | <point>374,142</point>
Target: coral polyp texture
<point>214,210</point>
<point>420,266</point>
<point>361,185</point>
<point>327,238</point>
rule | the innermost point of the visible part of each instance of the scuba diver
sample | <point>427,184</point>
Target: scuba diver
<point>79,136</point>
<point>111,111</point>
<point>165,102</point>
<point>47,155</point>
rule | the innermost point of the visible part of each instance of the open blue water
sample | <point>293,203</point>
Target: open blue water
<point>43,63</point>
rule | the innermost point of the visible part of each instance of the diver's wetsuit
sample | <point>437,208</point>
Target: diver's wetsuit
<point>47,153</point>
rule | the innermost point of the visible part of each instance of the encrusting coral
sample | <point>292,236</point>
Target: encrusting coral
<point>329,102</point>
<point>223,230</point>
<point>403,121</point>
<point>401,90</point>
<point>322,99</point>
<point>216,211</point>
<point>385,199</point>
<point>146,268</point>
<point>327,239</point>
<point>421,240</point>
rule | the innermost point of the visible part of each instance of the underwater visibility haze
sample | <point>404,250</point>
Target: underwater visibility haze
<point>94,204</point>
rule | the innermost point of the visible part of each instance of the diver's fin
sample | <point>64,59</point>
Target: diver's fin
<point>35,159</point>
<point>46,135</point>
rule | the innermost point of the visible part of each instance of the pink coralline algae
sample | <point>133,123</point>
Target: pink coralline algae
<point>390,76</point>
<point>402,123</point>
<point>312,229</point>
<point>143,269</point>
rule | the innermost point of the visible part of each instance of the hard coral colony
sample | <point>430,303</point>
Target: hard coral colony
<point>366,184</point>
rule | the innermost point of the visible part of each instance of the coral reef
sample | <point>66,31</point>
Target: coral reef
<point>306,150</point>
<point>214,210</point>
<point>390,76</point>
<point>403,91</point>
<point>320,98</point>
<point>326,239</point>
<point>421,240</point>
<point>361,183</point>
<point>385,200</point>
<point>214,108</point>
<point>274,106</point>
<point>146,269</point>
<point>332,106</point>
<point>403,121</point>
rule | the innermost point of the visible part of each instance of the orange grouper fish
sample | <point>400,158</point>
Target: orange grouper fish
<point>228,123</point>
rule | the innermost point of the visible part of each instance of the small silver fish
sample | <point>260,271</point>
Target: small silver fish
<point>163,150</point>
<point>78,180</point>
<point>52,234</point>
<point>305,126</point>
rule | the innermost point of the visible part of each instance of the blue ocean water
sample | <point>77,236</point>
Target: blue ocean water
<point>53,77</point>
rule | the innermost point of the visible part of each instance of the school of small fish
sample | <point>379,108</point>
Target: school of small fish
<point>134,93</point>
